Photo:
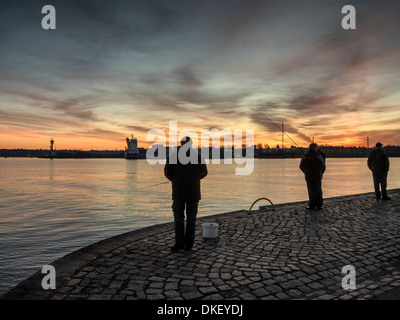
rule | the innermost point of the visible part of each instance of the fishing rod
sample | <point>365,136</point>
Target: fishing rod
<point>276,126</point>
<point>154,185</point>
<point>158,184</point>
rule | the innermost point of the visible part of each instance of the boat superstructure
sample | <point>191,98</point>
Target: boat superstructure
<point>131,150</point>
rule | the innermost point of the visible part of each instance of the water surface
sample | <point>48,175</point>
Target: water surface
<point>49,208</point>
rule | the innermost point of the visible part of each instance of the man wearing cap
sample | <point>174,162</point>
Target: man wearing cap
<point>378,163</point>
<point>185,169</point>
<point>313,166</point>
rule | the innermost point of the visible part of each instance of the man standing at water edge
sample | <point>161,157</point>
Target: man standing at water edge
<point>378,163</point>
<point>313,166</point>
<point>185,169</point>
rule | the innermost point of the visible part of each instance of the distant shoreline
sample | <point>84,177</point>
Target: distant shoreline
<point>274,153</point>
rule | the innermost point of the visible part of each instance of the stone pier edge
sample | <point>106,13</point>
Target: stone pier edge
<point>71,263</point>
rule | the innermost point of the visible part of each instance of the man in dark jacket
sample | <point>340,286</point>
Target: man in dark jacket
<point>313,166</point>
<point>185,169</point>
<point>378,163</point>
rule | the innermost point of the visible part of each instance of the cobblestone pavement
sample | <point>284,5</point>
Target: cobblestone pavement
<point>289,253</point>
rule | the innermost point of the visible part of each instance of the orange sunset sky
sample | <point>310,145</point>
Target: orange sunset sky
<point>112,69</point>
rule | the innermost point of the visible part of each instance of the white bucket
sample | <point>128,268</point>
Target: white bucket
<point>210,230</point>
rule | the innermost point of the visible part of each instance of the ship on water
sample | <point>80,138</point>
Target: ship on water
<point>132,151</point>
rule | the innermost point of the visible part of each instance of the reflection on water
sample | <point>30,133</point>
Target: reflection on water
<point>49,208</point>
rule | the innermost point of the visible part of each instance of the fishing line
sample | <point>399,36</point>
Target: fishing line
<point>154,185</point>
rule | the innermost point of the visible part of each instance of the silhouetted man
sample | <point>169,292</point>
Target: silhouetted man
<point>185,169</point>
<point>378,163</point>
<point>313,166</point>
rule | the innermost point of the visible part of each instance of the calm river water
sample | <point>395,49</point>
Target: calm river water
<point>49,208</point>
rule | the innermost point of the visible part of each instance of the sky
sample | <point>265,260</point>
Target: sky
<point>115,68</point>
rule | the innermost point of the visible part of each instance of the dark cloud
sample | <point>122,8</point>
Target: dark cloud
<point>24,120</point>
<point>138,128</point>
<point>18,94</point>
<point>271,124</point>
<point>184,86</point>
<point>74,108</point>
<point>187,77</point>
<point>241,15</point>
<point>101,133</point>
